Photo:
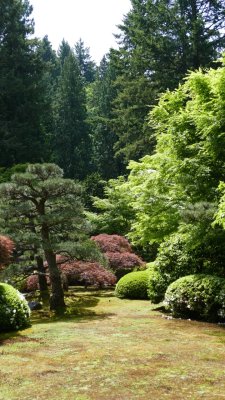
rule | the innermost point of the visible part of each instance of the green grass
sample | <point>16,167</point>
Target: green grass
<point>111,349</point>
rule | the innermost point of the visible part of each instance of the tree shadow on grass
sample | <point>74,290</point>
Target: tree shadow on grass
<point>80,303</point>
<point>79,309</point>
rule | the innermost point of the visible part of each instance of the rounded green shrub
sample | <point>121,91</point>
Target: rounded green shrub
<point>14,309</point>
<point>133,285</point>
<point>156,286</point>
<point>197,296</point>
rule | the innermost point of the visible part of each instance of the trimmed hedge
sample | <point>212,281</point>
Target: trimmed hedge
<point>133,285</point>
<point>197,296</point>
<point>14,309</point>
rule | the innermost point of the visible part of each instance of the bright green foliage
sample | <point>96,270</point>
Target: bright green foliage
<point>197,296</point>
<point>14,310</point>
<point>188,164</point>
<point>195,249</point>
<point>114,211</point>
<point>157,285</point>
<point>133,285</point>
<point>220,215</point>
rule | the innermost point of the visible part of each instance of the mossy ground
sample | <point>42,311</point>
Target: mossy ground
<point>112,349</point>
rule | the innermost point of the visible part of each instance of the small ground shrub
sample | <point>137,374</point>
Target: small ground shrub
<point>14,310</point>
<point>198,297</point>
<point>88,274</point>
<point>112,243</point>
<point>133,285</point>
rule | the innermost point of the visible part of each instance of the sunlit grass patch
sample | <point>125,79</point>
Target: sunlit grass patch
<point>105,348</point>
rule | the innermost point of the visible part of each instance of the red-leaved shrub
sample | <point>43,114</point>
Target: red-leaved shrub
<point>88,274</point>
<point>78,273</point>
<point>32,283</point>
<point>6,251</point>
<point>112,243</point>
<point>118,253</point>
<point>122,263</point>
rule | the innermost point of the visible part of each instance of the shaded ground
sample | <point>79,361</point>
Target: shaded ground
<point>111,349</point>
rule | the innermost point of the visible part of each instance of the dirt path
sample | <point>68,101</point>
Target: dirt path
<point>113,350</point>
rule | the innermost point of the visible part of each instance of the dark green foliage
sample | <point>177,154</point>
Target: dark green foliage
<point>21,86</point>
<point>14,310</point>
<point>133,285</point>
<point>100,97</point>
<point>6,173</point>
<point>64,51</point>
<point>71,138</point>
<point>87,66</point>
<point>44,213</point>
<point>159,42</point>
<point>197,296</point>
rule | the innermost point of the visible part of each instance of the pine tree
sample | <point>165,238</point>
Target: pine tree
<point>21,99</point>
<point>159,42</point>
<point>64,51</point>
<point>71,136</point>
<point>101,95</point>
<point>87,66</point>
<point>42,210</point>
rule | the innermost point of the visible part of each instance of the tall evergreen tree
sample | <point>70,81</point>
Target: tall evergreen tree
<point>21,91</point>
<point>87,66</point>
<point>64,51</point>
<point>100,104</point>
<point>71,137</point>
<point>160,41</point>
<point>50,79</point>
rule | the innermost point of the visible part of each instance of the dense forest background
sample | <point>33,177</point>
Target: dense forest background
<point>142,133</point>
<point>91,120</point>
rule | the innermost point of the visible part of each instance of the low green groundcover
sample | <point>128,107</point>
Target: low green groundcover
<point>133,285</point>
<point>197,296</point>
<point>14,310</point>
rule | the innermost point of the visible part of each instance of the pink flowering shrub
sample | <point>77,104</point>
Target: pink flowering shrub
<point>6,251</point>
<point>112,243</point>
<point>88,274</point>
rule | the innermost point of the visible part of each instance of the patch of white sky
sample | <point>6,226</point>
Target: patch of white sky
<point>93,21</point>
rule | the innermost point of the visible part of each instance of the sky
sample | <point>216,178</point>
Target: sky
<point>93,21</point>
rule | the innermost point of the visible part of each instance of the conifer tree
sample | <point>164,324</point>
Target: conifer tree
<point>159,42</point>
<point>21,100</point>
<point>42,209</point>
<point>87,66</point>
<point>71,136</point>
